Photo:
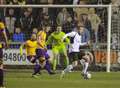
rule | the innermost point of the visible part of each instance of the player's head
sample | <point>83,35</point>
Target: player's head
<point>33,37</point>
<point>58,28</point>
<point>80,28</point>
<point>35,31</point>
<point>46,28</point>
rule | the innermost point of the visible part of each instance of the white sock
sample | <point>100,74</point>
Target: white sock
<point>68,68</point>
<point>82,61</point>
<point>83,65</point>
<point>85,68</point>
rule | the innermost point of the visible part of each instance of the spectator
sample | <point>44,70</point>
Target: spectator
<point>59,1</point>
<point>85,34</point>
<point>18,36</point>
<point>75,2</point>
<point>86,22</point>
<point>67,27</point>
<point>17,11</point>
<point>2,9</point>
<point>52,12</point>
<point>50,1</point>
<point>22,2</point>
<point>62,16</point>
<point>46,20</point>
<point>70,25</point>
<point>2,1</point>
<point>115,27</point>
<point>31,2</point>
<point>26,22</point>
<point>43,1</point>
<point>10,21</point>
<point>80,11</point>
<point>13,2</point>
<point>95,22</point>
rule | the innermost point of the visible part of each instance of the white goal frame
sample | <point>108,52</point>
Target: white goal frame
<point>109,7</point>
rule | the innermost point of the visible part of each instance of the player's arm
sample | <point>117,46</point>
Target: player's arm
<point>41,40</point>
<point>23,45</point>
<point>66,40</point>
<point>71,34</point>
<point>4,34</point>
<point>49,41</point>
<point>83,44</point>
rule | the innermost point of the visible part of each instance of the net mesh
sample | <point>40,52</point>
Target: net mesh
<point>22,22</point>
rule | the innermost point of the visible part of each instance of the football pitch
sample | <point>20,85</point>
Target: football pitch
<point>71,80</point>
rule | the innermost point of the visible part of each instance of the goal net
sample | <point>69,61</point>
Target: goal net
<point>23,20</point>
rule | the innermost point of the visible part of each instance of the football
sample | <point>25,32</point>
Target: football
<point>89,76</point>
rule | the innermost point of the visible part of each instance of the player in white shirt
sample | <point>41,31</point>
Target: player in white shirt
<point>74,50</point>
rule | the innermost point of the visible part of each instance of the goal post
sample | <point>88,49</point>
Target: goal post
<point>109,38</point>
<point>109,9</point>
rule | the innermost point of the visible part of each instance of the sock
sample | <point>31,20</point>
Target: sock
<point>68,68</point>
<point>54,64</point>
<point>83,65</point>
<point>85,68</point>
<point>47,67</point>
<point>66,61</point>
<point>1,77</point>
<point>82,62</point>
<point>36,69</point>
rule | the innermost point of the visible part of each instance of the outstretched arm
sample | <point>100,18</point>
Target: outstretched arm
<point>71,34</point>
<point>21,48</point>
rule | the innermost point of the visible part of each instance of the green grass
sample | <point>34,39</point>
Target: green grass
<point>71,80</point>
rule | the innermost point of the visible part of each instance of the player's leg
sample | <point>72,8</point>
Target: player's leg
<point>55,57</point>
<point>47,64</point>
<point>34,61</point>
<point>85,63</point>
<point>1,69</point>
<point>63,51</point>
<point>37,68</point>
<point>82,62</point>
<point>74,58</point>
<point>39,59</point>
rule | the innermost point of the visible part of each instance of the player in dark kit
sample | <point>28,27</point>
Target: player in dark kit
<point>2,33</point>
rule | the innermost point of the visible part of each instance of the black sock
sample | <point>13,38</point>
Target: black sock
<point>1,77</point>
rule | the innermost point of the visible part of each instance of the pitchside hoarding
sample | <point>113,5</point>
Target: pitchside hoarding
<point>13,57</point>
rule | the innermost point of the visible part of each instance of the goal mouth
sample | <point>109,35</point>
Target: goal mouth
<point>100,46</point>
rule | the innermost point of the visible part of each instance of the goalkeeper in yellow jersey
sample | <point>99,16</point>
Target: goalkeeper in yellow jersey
<point>2,32</point>
<point>58,46</point>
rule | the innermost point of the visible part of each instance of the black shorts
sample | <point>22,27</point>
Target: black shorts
<point>74,56</point>
<point>1,53</point>
<point>1,56</point>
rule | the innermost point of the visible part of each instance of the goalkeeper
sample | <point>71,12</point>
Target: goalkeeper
<point>58,46</point>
